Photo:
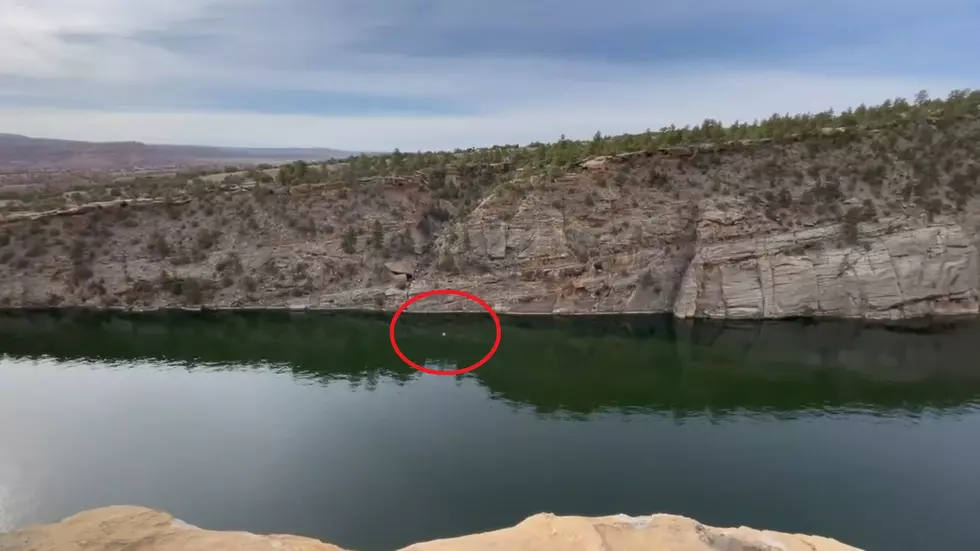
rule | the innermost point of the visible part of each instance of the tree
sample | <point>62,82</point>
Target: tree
<point>596,146</point>
<point>377,235</point>
<point>397,160</point>
<point>285,175</point>
<point>921,98</point>
<point>349,243</point>
<point>300,169</point>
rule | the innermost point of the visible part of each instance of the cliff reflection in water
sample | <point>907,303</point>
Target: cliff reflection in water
<point>577,365</point>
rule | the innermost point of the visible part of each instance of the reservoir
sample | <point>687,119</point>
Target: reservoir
<point>309,424</point>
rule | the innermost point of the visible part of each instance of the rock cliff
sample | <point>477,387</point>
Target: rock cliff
<point>877,221</point>
<point>903,269</point>
<point>140,529</point>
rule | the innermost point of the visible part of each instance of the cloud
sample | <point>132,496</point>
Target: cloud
<point>416,73</point>
<point>686,98</point>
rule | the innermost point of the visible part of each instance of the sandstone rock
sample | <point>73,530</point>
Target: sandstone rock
<point>595,163</point>
<point>140,529</point>
<point>400,280</point>
<point>623,533</point>
<point>894,273</point>
<point>496,241</point>
<point>400,267</point>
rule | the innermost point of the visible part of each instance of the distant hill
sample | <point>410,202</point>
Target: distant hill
<point>23,153</point>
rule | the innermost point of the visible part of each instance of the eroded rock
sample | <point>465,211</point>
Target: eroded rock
<point>401,268</point>
<point>895,270</point>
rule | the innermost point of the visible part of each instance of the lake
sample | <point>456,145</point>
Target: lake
<point>309,424</point>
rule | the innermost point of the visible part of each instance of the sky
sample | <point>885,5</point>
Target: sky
<point>440,74</point>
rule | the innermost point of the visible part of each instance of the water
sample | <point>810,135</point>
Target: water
<point>309,425</point>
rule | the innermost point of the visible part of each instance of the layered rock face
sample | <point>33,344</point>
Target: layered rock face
<point>902,270</point>
<point>899,269</point>
<point>874,226</point>
<point>139,529</point>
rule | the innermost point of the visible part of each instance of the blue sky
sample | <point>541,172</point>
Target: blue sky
<point>421,74</point>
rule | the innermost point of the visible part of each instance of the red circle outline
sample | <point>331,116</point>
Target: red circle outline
<point>464,294</point>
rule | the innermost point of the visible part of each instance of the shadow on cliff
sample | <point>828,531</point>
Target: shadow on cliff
<point>569,365</point>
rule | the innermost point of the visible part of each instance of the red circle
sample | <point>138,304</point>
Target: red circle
<point>464,294</point>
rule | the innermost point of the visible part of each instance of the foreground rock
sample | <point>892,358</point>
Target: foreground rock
<point>140,529</point>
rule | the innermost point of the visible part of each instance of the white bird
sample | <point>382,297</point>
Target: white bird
<point>444,334</point>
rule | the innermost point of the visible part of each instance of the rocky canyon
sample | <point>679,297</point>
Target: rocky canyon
<point>872,213</point>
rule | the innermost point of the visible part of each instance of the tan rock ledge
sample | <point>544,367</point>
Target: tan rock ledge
<point>141,529</point>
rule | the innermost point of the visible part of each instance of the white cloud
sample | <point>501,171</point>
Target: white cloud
<point>40,38</point>
<point>679,99</point>
<point>111,52</point>
<point>342,45</point>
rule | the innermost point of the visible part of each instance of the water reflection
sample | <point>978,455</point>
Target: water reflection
<point>573,365</point>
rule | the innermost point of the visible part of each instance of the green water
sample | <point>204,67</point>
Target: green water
<point>309,424</point>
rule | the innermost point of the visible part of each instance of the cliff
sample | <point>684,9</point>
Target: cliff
<point>140,529</point>
<point>869,214</point>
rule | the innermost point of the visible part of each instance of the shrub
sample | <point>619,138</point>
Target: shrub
<point>156,245</point>
<point>852,218</point>
<point>447,263</point>
<point>231,264</point>
<point>80,273</point>
<point>349,243</point>
<point>191,290</point>
<point>207,238</point>
<point>377,235</point>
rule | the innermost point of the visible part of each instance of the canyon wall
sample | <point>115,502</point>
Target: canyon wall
<point>873,225</point>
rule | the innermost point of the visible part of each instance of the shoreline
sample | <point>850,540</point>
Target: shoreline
<point>918,324</point>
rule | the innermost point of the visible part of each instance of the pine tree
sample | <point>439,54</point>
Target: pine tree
<point>377,235</point>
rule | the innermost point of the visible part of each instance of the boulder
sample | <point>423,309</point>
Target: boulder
<point>401,267</point>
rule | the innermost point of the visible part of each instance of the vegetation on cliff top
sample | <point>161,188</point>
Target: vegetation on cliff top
<point>891,117</point>
<point>566,153</point>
